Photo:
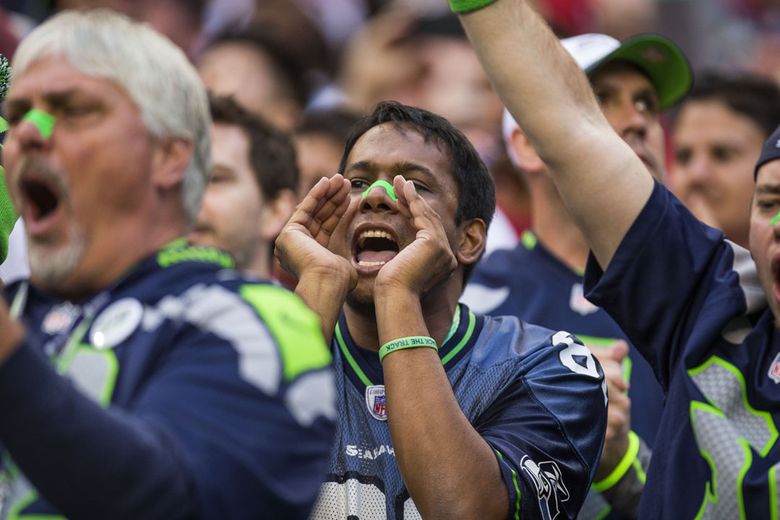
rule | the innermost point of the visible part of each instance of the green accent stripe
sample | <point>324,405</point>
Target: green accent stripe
<point>623,466</point>
<point>468,6</point>
<point>466,337</point>
<point>454,326</point>
<point>741,477</point>
<point>295,327</point>
<point>514,481</point>
<point>773,505</point>
<point>347,354</point>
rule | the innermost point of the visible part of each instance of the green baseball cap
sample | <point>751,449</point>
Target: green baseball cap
<point>662,61</point>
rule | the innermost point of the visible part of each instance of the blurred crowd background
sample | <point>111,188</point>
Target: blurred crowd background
<point>312,66</point>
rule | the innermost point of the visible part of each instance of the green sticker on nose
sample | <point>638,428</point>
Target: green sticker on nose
<point>776,219</point>
<point>382,184</point>
<point>42,120</point>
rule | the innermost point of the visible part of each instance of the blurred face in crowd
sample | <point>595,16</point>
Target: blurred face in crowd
<point>318,156</point>
<point>630,103</point>
<point>246,73</point>
<point>85,191</point>
<point>716,149</point>
<point>455,86</point>
<point>232,211</point>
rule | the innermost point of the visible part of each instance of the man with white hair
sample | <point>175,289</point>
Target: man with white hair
<point>139,377</point>
<point>541,279</point>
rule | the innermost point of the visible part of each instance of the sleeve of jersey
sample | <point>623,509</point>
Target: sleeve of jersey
<point>547,430</point>
<point>221,428</point>
<point>669,273</point>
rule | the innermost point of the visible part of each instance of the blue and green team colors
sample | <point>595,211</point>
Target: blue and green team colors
<point>532,284</point>
<point>514,383</point>
<point>693,305</point>
<point>183,391</point>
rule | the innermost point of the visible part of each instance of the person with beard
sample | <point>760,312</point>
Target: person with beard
<point>694,303</point>
<point>442,413</point>
<point>140,377</point>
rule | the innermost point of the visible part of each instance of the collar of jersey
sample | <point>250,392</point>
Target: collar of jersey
<point>363,368</point>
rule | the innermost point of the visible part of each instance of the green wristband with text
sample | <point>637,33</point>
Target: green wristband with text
<point>404,343</point>
<point>467,6</point>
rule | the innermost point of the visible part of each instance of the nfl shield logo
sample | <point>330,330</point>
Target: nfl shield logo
<point>376,403</point>
<point>774,369</point>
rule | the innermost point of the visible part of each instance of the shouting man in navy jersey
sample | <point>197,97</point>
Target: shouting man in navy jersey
<point>142,379</point>
<point>458,416</point>
<point>688,298</point>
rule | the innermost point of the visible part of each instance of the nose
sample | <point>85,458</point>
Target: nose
<point>379,196</point>
<point>34,131</point>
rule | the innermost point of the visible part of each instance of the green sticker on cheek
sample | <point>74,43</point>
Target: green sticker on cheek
<point>776,219</point>
<point>42,120</point>
<point>382,184</point>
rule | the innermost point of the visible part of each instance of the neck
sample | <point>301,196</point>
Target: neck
<point>438,307</point>
<point>555,228</point>
<point>259,265</point>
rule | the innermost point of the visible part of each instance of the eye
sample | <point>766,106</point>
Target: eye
<point>683,156</point>
<point>647,105</point>
<point>359,184</point>
<point>766,204</point>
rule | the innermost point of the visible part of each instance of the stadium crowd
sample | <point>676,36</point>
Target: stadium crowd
<point>365,259</point>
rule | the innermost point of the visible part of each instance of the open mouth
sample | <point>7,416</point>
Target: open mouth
<point>374,248</point>
<point>41,199</point>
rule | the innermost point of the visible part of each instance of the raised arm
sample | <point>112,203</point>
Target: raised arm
<point>602,182</point>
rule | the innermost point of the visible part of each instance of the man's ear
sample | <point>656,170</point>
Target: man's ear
<point>276,213</point>
<point>527,159</point>
<point>171,160</point>
<point>471,242</point>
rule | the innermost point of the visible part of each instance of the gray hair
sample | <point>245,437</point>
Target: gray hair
<point>153,71</point>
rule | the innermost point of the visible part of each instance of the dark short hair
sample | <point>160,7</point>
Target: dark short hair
<point>751,95</point>
<point>335,123</point>
<point>289,75</point>
<point>477,192</point>
<point>271,152</point>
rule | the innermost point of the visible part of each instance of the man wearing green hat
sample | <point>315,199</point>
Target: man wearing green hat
<point>698,307</point>
<point>541,279</point>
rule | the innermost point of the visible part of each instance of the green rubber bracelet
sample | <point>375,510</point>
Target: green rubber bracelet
<point>623,466</point>
<point>468,6</point>
<point>404,343</point>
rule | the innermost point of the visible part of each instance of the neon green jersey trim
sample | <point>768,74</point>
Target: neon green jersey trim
<point>348,355</point>
<point>295,327</point>
<point>518,494</point>
<point>528,239</point>
<point>773,505</point>
<point>178,251</point>
<point>466,337</point>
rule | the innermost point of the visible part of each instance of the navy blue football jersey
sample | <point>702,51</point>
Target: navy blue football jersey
<point>532,284</point>
<point>691,303</point>
<point>536,396</point>
<point>183,391</point>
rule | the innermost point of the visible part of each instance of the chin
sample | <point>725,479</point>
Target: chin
<point>51,266</point>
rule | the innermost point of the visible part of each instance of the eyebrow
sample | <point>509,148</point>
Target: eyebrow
<point>400,168</point>
<point>54,98</point>
<point>772,189</point>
